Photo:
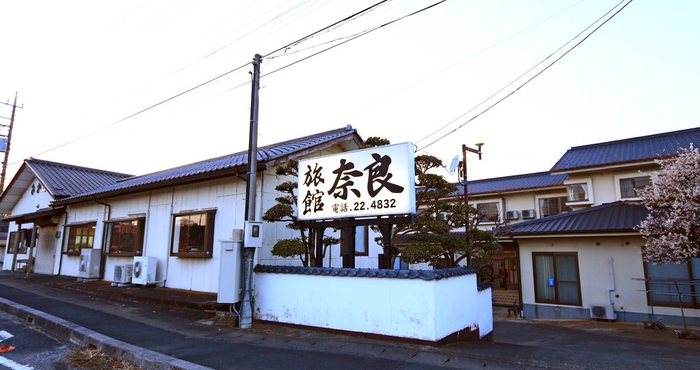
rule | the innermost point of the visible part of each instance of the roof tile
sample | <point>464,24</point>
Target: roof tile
<point>514,183</point>
<point>426,275</point>
<point>638,149</point>
<point>63,180</point>
<point>610,217</point>
<point>267,156</point>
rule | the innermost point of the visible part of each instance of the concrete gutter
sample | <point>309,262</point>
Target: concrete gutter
<point>85,338</point>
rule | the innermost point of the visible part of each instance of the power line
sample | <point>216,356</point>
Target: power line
<point>454,65</point>
<point>348,39</point>
<point>297,42</point>
<point>536,75</point>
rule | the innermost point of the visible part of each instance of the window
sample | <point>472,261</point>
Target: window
<point>577,192</point>
<point>362,240</point>
<point>193,234</point>
<point>557,278</point>
<point>629,186</point>
<point>553,206</point>
<point>80,236</point>
<point>665,282</point>
<point>489,211</point>
<point>125,237</point>
<point>12,242</point>
<point>19,241</point>
<point>399,264</point>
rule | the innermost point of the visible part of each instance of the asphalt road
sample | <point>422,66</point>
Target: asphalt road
<point>518,344</point>
<point>198,346</point>
<point>33,349</point>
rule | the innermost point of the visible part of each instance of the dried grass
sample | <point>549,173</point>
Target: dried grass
<point>94,359</point>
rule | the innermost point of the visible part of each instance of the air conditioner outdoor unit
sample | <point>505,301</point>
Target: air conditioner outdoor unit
<point>603,312</point>
<point>122,273</point>
<point>144,271</point>
<point>512,215</point>
<point>89,266</point>
<point>528,213</point>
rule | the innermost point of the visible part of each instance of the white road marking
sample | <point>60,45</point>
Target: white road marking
<point>13,365</point>
<point>5,335</point>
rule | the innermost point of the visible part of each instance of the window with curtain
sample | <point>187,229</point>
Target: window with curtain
<point>489,211</point>
<point>557,278</point>
<point>667,283</point>
<point>577,192</point>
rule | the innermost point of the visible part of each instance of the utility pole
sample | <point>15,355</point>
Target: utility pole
<point>246,320</point>
<point>9,139</point>
<point>466,149</point>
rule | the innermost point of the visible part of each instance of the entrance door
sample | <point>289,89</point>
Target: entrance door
<point>45,254</point>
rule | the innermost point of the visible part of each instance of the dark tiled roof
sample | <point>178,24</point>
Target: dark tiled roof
<point>351,272</point>
<point>513,183</point>
<point>268,156</point>
<point>639,149</point>
<point>64,180</point>
<point>607,218</point>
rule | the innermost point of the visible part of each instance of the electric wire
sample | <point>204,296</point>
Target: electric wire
<point>357,35</point>
<point>244,35</point>
<point>454,65</point>
<point>344,20</point>
<point>533,77</point>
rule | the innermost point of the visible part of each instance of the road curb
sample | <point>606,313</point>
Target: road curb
<point>84,337</point>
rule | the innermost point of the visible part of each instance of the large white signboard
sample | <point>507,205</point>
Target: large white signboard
<point>369,182</point>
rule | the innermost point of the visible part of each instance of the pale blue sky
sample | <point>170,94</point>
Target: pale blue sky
<point>82,65</point>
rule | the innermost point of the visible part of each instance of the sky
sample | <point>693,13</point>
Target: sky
<point>137,86</point>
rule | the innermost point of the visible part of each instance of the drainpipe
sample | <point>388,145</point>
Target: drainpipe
<point>612,277</point>
<point>103,256</point>
<point>63,235</point>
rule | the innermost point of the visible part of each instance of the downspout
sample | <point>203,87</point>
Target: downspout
<point>170,241</point>
<point>612,277</point>
<point>103,256</point>
<point>63,235</point>
<point>520,281</point>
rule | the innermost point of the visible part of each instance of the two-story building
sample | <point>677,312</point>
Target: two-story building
<point>571,246</point>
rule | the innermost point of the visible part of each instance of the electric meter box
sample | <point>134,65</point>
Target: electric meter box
<point>253,234</point>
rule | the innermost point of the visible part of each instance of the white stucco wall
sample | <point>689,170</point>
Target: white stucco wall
<point>29,202</point>
<point>629,296</point>
<point>405,308</point>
